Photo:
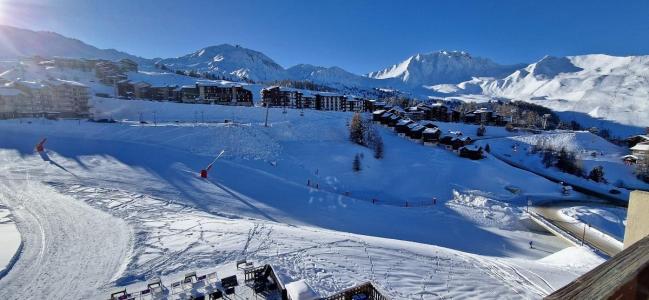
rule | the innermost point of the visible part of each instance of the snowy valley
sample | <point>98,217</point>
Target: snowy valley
<point>168,166</point>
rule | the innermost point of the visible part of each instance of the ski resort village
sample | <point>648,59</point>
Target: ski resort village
<point>221,174</point>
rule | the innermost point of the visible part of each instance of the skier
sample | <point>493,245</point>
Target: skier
<point>531,246</point>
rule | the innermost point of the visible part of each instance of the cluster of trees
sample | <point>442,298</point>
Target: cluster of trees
<point>522,113</point>
<point>363,132</point>
<point>567,162</point>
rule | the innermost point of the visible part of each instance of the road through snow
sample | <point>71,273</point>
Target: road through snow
<point>70,249</point>
<point>578,229</point>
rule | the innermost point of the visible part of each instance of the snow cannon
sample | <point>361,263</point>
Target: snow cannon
<point>204,172</point>
<point>40,147</point>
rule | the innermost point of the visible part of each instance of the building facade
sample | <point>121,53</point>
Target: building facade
<point>57,98</point>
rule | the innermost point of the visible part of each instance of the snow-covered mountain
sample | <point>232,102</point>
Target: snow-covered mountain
<point>18,42</point>
<point>601,86</point>
<point>231,61</point>
<point>442,67</point>
<point>333,76</point>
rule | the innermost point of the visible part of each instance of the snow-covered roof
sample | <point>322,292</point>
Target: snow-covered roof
<point>397,108</point>
<point>427,122</point>
<point>641,147</point>
<point>404,122</point>
<point>472,148</point>
<point>300,290</point>
<point>417,127</point>
<point>217,83</point>
<point>28,84</point>
<point>68,82</point>
<point>394,117</point>
<point>640,136</point>
<point>431,130</point>
<point>629,157</point>
<point>379,112</point>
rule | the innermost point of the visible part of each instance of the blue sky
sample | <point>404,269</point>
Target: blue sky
<point>358,35</point>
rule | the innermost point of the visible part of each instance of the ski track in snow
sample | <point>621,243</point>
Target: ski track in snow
<point>69,250</point>
<point>173,238</point>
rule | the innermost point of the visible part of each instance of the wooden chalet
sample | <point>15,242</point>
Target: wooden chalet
<point>397,110</point>
<point>385,118</point>
<point>402,126</point>
<point>470,118</point>
<point>446,140</point>
<point>438,111</point>
<point>224,94</point>
<point>415,131</point>
<point>471,152</point>
<point>431,135</point>
<point>459,142</point>
<point>376,115</point>
<point>394,119</point>
<point>372,105</point>
<point>416,112</point>
<point>427,124</point>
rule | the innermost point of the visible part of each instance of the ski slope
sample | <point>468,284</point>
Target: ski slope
<point>144,212</point>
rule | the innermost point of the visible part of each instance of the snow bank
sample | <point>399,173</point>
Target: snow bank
<point>10,240</point>
<point>573,257</point>
<point>608,219</point>
<point>300,290</point>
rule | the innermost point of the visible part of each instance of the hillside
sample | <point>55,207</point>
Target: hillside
<point>591,89</point>
<point>228,60</point>
<point>17,42</point>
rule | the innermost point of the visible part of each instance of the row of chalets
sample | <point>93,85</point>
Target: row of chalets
<point>426,132</point>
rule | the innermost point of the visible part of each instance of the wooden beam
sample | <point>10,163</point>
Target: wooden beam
<point>624,276</point>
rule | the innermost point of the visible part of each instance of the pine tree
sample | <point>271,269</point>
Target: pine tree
<point>356,130</point>
<point>567,162</point>
<point>378,148</point>
<point>356,165</point>
<point>597,174</point>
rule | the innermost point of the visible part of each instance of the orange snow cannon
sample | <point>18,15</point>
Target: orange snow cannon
<point>40,147</point>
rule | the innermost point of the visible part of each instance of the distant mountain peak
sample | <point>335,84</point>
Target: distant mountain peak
<point>442,67</point>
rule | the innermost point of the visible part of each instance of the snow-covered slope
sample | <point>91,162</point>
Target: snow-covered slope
<point>17,42</point>
<point>333,76</point>
<point>138,197</point>
<point>231,61</point>
<point>599,86</point>
<point>442,67</point>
